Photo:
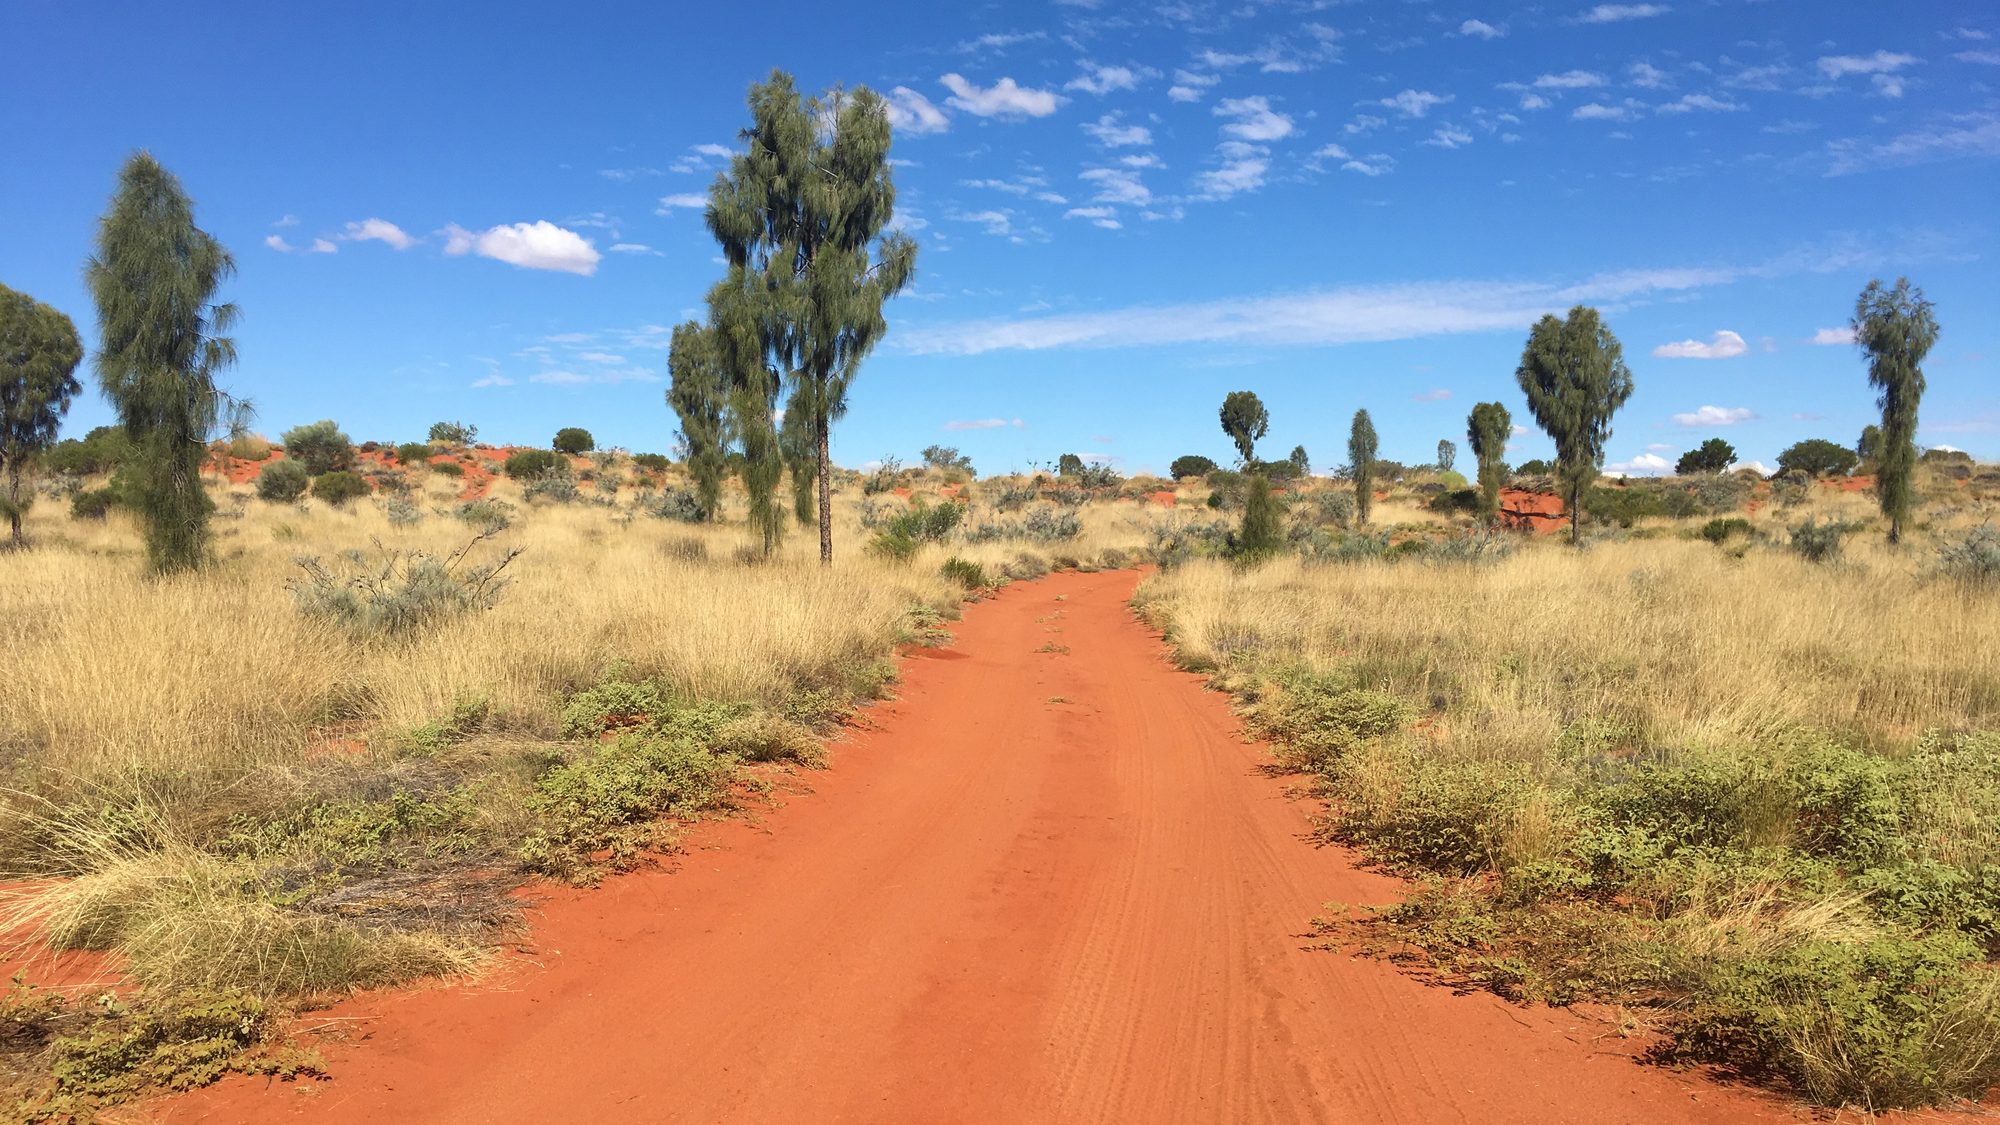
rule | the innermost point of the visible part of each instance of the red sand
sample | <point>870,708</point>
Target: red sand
<point>1041,888</point>
<point>1540,511</point>
<point>1849,484</point>
<point>1165,498</point>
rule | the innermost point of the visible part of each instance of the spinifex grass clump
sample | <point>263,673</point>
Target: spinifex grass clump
<point>400,592</point>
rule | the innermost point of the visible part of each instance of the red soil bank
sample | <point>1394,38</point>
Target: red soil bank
<point>1541,512</point>
<point>1041,887</point>
<point>1165,498</point>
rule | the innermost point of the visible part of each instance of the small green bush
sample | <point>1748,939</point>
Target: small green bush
<point>556,487</point>
<point>320,446</point>
<point>610,798</point>
<point>176,1043</point>
<point>93,504</point>
<point>1972,559</point>
<point>283,482</point>
<point>1820,542</point>
<point>894,546</point>
<point>452,433</point>
<point>489,516</point>
<point>339,487</point>
<point>677,504</point>
<point>651,462</point>
<point>413,452</point>
<point>573,440</point>
<point>967,574</point>
<point>448,468</point>
<point>399,592</point>
<point>1722,529</point>
<point>527,464</point>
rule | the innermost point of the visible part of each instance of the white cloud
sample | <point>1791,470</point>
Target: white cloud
<point>1691,102</point>
<point>322,246</point>
<point>540,245</point>
<point>1535,101</point>
<point>1188,85</point>
<point>379,230</point>
<point>1111,133</point>
<point>1103,79</point>
<point>1646,76</point>
<point>998,223</point>
<point>1255,120</point>
<point>1117,185</point>
<point>914,113</point>
<point>494,379</point>
<point>1005,98</point>
<point>1351,314</point>
<point>1881,62</point>
<point>1479,29</point>
<point>1970,134</point>
<point>559,378</point>
<point>692,200</point>
<point>1597,111</point>
<point>1364,123</point>
<point>1000,40</point>
<point>278,244</point>
<point>1435,394</point>
<point>1449,136</point>
<point>1723,345</point>
<point>1715,416</point>
<point>1569,80</point>
<point>1374,164</point>
<point>632,248</point>
<point>1645,464</point>
<point>288,220</point>
<point>1827,337</point>
<point>1614,13</point>
<point>1415,103</point>
<point>986,424</point>
<point>1243,168</point>
<point>1104,217</point>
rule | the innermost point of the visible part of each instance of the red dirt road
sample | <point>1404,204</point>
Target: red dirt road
<point>1049,887</point>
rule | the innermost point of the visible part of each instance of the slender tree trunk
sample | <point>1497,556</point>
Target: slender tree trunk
<point>1575,528</point>
<point>823,446</point>
<point>14,504</point>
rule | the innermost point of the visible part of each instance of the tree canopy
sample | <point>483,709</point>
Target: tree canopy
<point>1573,372</point>
<point>1711,456</point>
<point>1245,420</point>
<point>1361,462</point>
<point>573,440</point>
<point>154,278</point>
<point>1818,457</point>
<point>697,390</point>
<point>1897,327</point>
<point>1487,429</point>
<point>1190,465</point>
<point>39,351</point>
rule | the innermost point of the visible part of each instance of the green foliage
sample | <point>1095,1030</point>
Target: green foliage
<point>320,446</point>
<point>448,468</point>
<point>1534,467</point>
<point>651,462</point>
<point>802,216</point>
<point>283,482</point>
<point>1262,534</point>
<point>608,799</point>
<point>946,457</point>
<point>413,453</point>
<point>677,504</point>
<point>1820,542</point>
<point>925,523</point>
<point>1818,457</point>
<point>1627,504</point>
<point>1722,529</point>
<point>1447,456</point>
<point>573,440</point>
<point>1361,464</point>
<point>452,433</point>
<point>1320,719</point>
<point>399,592</point>
<point>967,574</point>
<point>1711,456</point>
<point>1972,558</point>
<point>558,487</point>
<point>1245,420</point>
<point>527,464</point>
<point>93,504</point>
<point>174,1043</point>
<point>1869,446</point>
<point>436,736</point>
<point>489,516</point>
<point>338,488</point>
<point>1042,524</point>
<point>1069,465</point>
<point>1897,328</point>
<point>1573,372</point>
<point>103,449</point>
<point>154,277</point>
<point>894,546</point>
<point>39,351</point>
<point>1192,465</point>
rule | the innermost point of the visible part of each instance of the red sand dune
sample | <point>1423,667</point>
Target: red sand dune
<point>1541,512</point>
<point>1165,498</point>
<point>1849,484</point>
<point>1039,887</point>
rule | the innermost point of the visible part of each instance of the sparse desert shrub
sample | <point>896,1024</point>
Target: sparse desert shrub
<point>1720,492</point>
<point>573,440</point>
<point>339,487</point>
<point>925,523</point>
<point>1722,529</point>
<point>678,504</point>
<point>401,513</point>
<point>651,462</point>
<point>967,574</point>
<point>448,468</point>
<point>556,487</point>
<point>489,516</point>
<point>249,447</point>
<point>400,592</point>
<point>128,1048</point>
<point>896,546</point>
<point>452,433</point>
<point>413,452</point>
<point>1820,542</point>
<point>1972,559</point>
<point>283,482</point>
<point>93,504</point>
<point>320,446</point>
<point>610,799</point>
<point>527,464</point>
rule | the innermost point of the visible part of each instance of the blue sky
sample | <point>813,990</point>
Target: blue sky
<point>1124,211</point>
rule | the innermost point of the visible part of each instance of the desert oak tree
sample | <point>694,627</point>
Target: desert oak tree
<point>802,215</point>
<point>39,351</point>
<point>1573,372</point>
<point>1897,328</point>
<point>1361,461</point>
<point>1245,420</point>
<point>154,278</point>
<point>1487,429</point>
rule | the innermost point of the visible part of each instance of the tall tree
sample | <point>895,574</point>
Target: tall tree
<point>699,395</point>
<point>154,278</point>
<point>800,215</point>
<point>1897,327</point>
<point>1262,532</point>
<point>1870,443</point>
<point>1300,463</point>
<point>1487,429</point>
<point>39,351</point>
<point>1573,372</point>
<point>795,443</point>
<point>1245,420</point>
<point>1711,456</point>
<point>1361,460</point>
<point>1447,455</point>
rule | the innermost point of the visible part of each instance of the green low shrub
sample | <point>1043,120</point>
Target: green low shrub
<point>967,574</point>
<point>93,504</point>
<point>527,464</point>
<point>283,482</point>
<point>413,452</point>
<point>338,488</point>
<point>609,800</point>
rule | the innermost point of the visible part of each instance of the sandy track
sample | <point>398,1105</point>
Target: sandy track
<point>1047,887</point>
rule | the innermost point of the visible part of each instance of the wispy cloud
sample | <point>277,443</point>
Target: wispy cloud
<point>1617,13</point>
<point>1415,103</point>
<point>1955,137</point>
<point>686,200</point>
<point>1723,345</point>
<point>1435,394</point>
<point>1715,416</point>
<point>915,114</point>
<point>540,245</point>
<point>984,424</point>
<point>1692,102</point>
<point>1103,79</point>
<point>1113,133</point>
<point>1479,29</point>
<point>1253,119</point>
<point>1005,98</point>
<point>1830,337</point>
<point>379,230</point>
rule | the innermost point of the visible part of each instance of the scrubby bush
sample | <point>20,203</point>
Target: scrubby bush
<point>401,513</point>
<point>967,574</point>
<point>573,440</point>
<point>556,487</point>
<point>101,450</point>
<point>249,447</point>
<point>489,516</point>
<point>608,800</point>
<point>397,592</point>
<point>1260,536</point>
<point>1818,457</point>
<point>452,433</point>
<point>1192,465</point>
<point>283,482</point>
<point>1820,542</point>
<point>413,452</point>
<point>338,488</point>
<point>1972,558</point>
<point>651,462</point>
<point>925,523</point>
<point>93,504</point>
<point>320,446</point>
<point>527,464</point>
<point>678,504</point>
<point>448,468</point>
<point>1722,529</point>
